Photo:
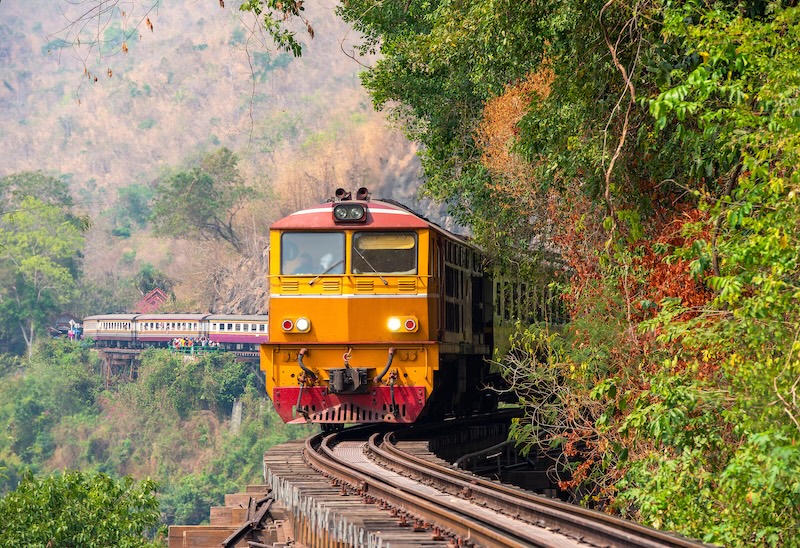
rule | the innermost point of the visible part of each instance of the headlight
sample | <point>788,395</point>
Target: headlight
<point>403,323</point>
<point>302,324</point>
<point>350,213</point>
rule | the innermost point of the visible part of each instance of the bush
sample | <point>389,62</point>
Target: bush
<point>75,509</point>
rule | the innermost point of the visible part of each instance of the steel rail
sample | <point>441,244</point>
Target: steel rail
<point>451,516</point>
<point>600,528</point>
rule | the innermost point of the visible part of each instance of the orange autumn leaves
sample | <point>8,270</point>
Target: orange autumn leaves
<point>498,131</point>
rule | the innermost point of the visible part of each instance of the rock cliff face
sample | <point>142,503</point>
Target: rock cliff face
<point>242,288</point>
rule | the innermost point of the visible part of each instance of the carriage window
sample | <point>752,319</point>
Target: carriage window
<point>384,253</point>
<point>312,253</point>
<point>230,327</point>
<point>261,327</point>
<point>222,327</point>
<point>238,327</point>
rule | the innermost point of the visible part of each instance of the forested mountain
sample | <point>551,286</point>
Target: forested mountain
<point>200,79</point>
<point>651,148</point>
<point>148,101</point>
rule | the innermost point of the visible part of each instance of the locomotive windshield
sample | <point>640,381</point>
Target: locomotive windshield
<point>384,253</point>
<point>310,253</point>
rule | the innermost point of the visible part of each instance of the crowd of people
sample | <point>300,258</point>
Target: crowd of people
<point>193,342</point>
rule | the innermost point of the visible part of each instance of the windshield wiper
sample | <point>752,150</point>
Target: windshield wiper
<point>334,265</point>
<point>369,265</point>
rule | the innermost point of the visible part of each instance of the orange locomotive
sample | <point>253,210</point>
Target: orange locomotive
<point>376,315</point>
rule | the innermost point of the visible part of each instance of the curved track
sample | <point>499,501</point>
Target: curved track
<point>465,508</point>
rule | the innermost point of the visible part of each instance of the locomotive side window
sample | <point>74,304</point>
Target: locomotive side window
<point>312,253</point>
<point>384,253</point>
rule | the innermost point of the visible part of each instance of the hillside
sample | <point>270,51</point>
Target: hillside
<point>182,88</point>
<point>199,80</point>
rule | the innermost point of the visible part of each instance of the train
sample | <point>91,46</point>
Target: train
<point>226,331</point>
<point>379,315</point>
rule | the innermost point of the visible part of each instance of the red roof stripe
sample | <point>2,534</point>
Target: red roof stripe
<point>380,216</point>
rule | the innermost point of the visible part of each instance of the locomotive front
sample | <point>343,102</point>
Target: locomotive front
<point>353,314</point>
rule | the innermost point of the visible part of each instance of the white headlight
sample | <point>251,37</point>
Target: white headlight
<point>302,324</point>
<point>394,324</point>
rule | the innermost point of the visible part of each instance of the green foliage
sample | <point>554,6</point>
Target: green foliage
<point>76,509</point>
<point>678,414</point>
<point>132,210</point>
<point>18,186</point>
<point>238,462</point>
<point>742,494</point>
<point>149,278</point>
<point>109,293</point>
<point>40,243</point>
<point>674,122</point>
<point>264,63</point>
<point>203,201</point>
<point>188,384</point>
<point>62,379</point>
<point>188,501</point>
<point>733,108</point>
<point>170,424</point>
<point>273,14</point>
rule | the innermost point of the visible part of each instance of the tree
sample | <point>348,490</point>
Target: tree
<point>203,201</point>
<point>40,244</point>
<point>77,509</point>
<point>149,278</point>
<point>132,209</point>
<point>661,144</point>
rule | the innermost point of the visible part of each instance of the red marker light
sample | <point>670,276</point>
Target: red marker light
<point>287,325</point>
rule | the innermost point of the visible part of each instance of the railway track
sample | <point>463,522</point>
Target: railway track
<point>383,490</point>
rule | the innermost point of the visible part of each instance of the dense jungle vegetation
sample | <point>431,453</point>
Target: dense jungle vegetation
<point>171,430</point>
<point>653,146</point>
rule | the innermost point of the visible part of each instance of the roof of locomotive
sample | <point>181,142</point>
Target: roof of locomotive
<point>381,215</point>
